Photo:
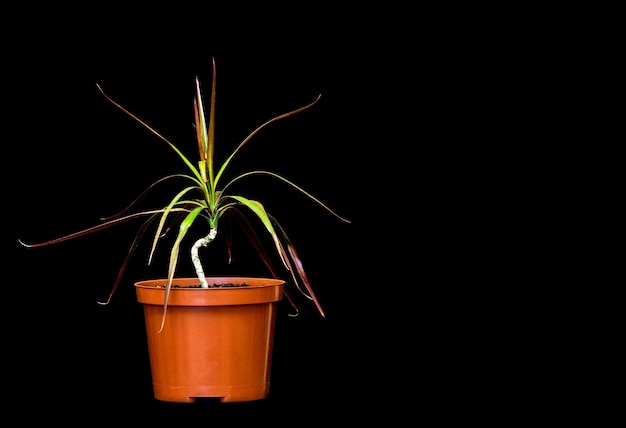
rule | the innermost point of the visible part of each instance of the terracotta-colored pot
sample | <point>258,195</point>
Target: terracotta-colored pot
<point>216,342</point>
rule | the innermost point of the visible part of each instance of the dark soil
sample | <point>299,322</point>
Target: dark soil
<point>226,285</point>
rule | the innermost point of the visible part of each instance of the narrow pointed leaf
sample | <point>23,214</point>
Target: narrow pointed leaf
<point>292,184</point>
<point>258,209</point>
<point>178,152</point>
<point>253,133</point>
<point>166,212</point>
<point>184,228</point>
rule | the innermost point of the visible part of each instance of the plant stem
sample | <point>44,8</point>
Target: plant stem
<point>202,242</point>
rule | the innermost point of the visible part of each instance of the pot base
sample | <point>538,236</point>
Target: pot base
<point>225,394</point>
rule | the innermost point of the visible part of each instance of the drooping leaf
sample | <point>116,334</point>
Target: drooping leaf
<point>258,209</point>
<point>184,228</point>
<point>166,212</point>
<point>128,257</point>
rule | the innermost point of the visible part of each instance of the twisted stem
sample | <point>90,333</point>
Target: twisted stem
<point>195,258</point>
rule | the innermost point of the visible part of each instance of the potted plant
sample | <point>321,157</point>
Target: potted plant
<point>210,336</point>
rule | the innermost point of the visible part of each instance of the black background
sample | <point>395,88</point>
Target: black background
<point>446,136</point>
<point>406,141</point>
<point>72,157</point>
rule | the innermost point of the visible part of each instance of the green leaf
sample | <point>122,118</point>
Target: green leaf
<point>178,152</point>
<point>257,208</point>
<point>184,228</point>
<point>166,212</point>
<point>253,133</point>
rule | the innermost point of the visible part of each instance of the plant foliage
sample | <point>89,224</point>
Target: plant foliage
<point>204,198</point>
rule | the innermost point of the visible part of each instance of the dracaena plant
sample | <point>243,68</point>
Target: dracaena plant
<point>206,199</point>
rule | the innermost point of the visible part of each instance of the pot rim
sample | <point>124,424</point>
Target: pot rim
<point>259,290</point>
